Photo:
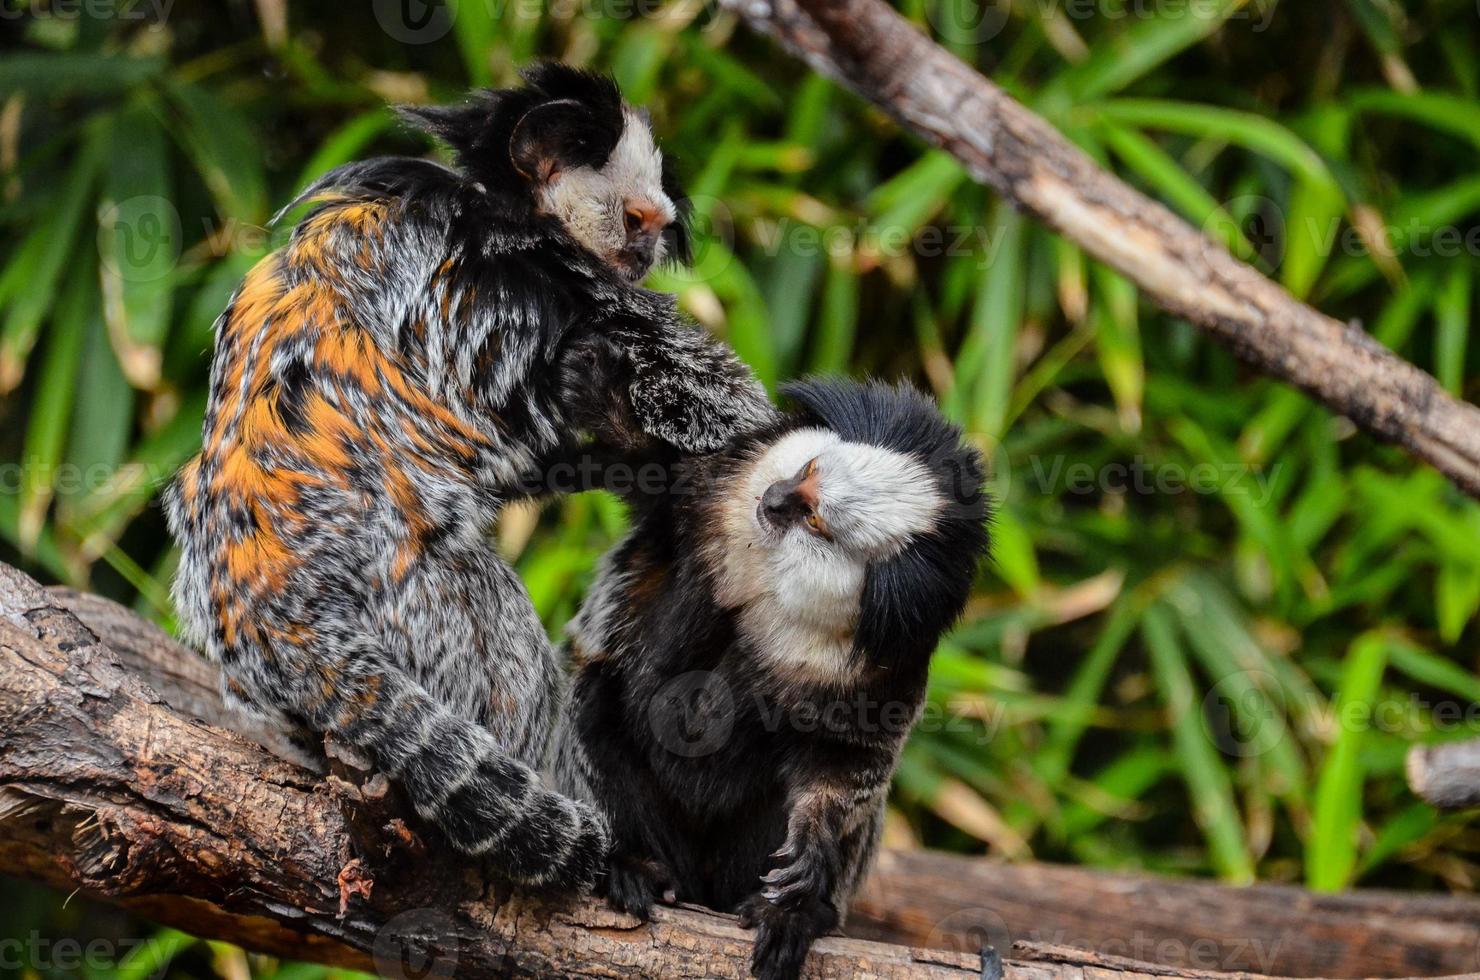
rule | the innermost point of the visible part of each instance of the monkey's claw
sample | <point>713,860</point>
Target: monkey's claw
<point>634,885</point>
<point>790,883</point>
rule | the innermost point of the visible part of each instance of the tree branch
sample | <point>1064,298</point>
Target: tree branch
<point>116,780</point>
<point>1446,775</point>
<point>876,52</point>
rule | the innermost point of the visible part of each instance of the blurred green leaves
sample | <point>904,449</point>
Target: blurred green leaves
<point>1197,572</point>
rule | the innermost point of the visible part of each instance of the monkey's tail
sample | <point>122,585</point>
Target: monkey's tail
<point>486,802</point>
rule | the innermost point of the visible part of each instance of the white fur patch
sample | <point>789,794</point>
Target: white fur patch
<point>798,593</point>
<point>592,204</point>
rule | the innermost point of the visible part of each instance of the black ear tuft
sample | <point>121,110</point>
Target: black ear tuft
<point>897,417</point>
<point>556,136</point>
<point>560,81</point>
<point>561,117</point>
<point>678,235</point>
<point>463,127</point>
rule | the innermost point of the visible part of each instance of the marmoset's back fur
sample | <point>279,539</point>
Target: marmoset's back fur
<point>378,385</point>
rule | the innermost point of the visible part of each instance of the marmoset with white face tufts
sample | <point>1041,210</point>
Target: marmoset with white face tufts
<point>754,653</point>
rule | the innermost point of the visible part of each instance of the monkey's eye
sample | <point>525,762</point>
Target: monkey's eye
<point>633,219</point>
<point>810,469</point>
<point>817,525</point>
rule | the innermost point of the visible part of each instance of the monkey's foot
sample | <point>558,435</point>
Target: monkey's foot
<point>633,885</point>
<point>783,935</point>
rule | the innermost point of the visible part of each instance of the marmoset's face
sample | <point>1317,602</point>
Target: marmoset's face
<point>815,493</point>
<point>797,533</point>
<point>619,210</point>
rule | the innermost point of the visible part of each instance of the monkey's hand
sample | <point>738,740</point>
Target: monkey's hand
<point>691,391</point>
<point>784,934</point>
<point>634,884</point>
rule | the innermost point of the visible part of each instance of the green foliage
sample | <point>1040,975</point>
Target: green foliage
<point>1216,615</point>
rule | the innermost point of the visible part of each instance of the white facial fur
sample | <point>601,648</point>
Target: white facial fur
<point>592,204</point>
<point>797,592</point>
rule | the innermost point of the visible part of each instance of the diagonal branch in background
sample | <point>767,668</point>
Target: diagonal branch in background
<point>876,52</point>
<point>118,779</point>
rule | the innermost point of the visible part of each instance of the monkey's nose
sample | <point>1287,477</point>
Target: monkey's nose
<point>782,505</point>
<point>643,219</point>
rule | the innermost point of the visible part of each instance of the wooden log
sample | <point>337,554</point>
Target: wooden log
<point>117,778</point>
<point>931,899</point>
<point>106,788</point>
<point>872,49</point>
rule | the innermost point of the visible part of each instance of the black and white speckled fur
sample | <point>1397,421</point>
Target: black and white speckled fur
<point>379,385</point>
<point>754,653</point>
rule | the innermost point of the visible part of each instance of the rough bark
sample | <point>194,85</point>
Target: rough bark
<point>1448,776</point>
<point>922,898</point>
<point>106,788</point>
<point>876,52</point>
<point>115,781</point>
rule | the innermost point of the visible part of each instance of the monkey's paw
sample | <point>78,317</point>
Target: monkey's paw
<point>589,843</point>
<point>783,936</point>
<point>633,885</point>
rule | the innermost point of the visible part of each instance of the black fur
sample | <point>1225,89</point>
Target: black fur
<point>912,598</point>
<point>561,114</point>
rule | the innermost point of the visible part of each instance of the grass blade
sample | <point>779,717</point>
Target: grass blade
<point>1207,780</point>
<point>1331,852</point>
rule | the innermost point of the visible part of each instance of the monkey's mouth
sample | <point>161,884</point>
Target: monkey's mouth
<point>635,262</point>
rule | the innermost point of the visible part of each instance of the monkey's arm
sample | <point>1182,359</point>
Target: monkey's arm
<point>687,388</point>
<point>830,834</point>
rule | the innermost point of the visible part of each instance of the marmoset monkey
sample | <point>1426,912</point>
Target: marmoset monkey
<point>378,385</point>
<point>754,653</point>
